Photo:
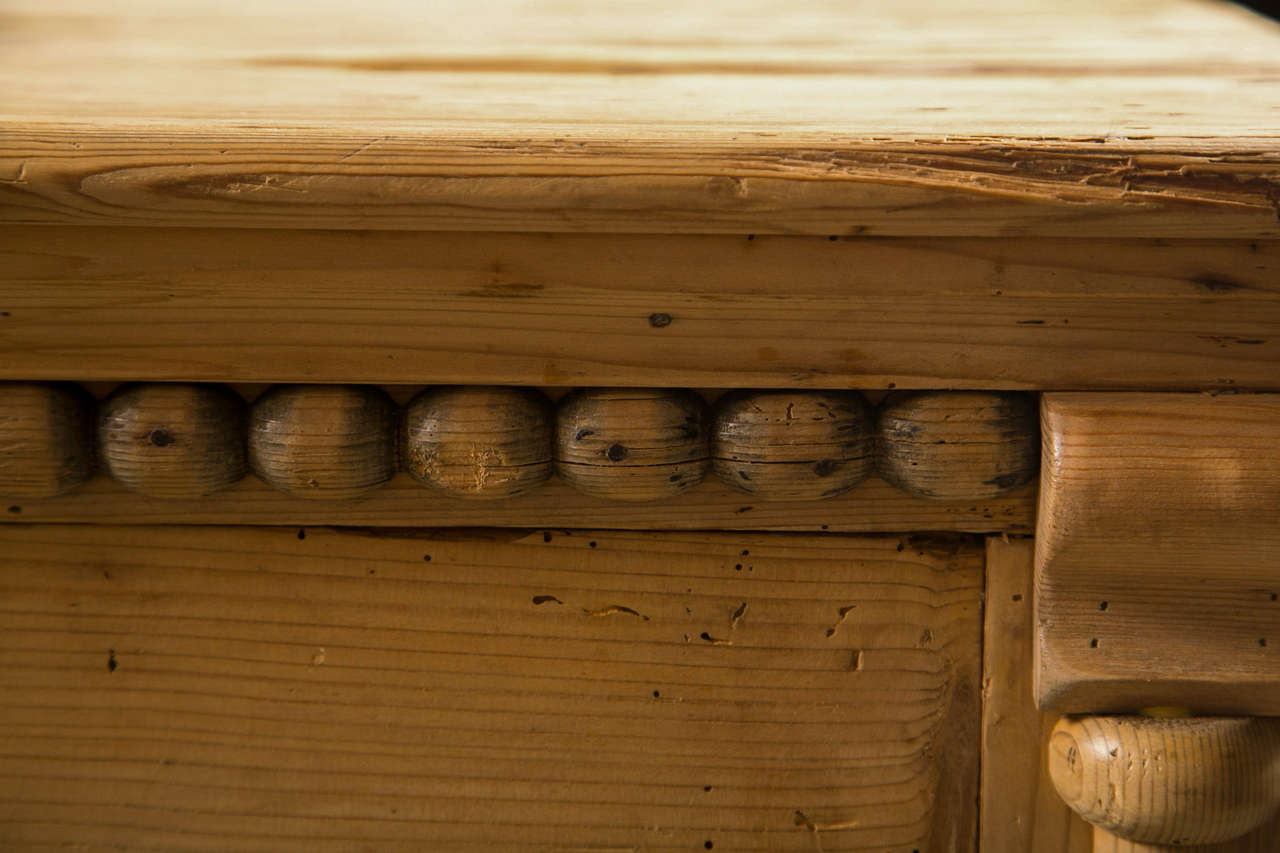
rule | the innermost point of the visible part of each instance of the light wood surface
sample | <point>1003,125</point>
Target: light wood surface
<point>958,445</point>
<point>874,506</point>
<point>1020,810</point>
<point>632,444</point>
<point>325,442</point>
<point>46,439</point>
<point>482,443</point>
<point>245,689</point>
<point>173,441</point>
<point>1157,550</point>
<point>1142,117</point>
<point>1261,840</point>
<point>576,310</point>
<point>792,445</point>
<point>1175,782</point>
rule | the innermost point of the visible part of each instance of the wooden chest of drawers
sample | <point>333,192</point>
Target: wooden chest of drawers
<point>639,427</point>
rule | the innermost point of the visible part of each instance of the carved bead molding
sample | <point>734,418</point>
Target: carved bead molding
<point>338,442</point>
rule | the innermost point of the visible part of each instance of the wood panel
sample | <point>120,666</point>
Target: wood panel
<point>874,506</point>
<point>701,312</point>
<point>1136,118</point>
<point>1020,810</point>
<point>1158,553</point>
<point>240,689</point>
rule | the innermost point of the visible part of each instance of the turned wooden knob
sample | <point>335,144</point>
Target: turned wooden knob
<point>323,441</point>
<point>792,445</point>
<point>958,445</point>
<point>173,441</point>
<point>1197,780</point>
<point>632,444</point>
<point>46,439</point>
<point>481,443</point>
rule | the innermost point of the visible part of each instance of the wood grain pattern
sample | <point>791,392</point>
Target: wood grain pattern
<point>324,442</point>
<point>482,443</point>
<point>958,445</point>
<point>792,445</point>
<point>1157,553</point>
<point>238,689</point>
<point>874,506</point>
<point>1175,782</point>
<point>1122,119</point>
<point>46,439</point>
<point>632,444</point>
<point>599,310</point>
<point>173,440</point>
<point>1020,810</point>
<point>1261,840</point>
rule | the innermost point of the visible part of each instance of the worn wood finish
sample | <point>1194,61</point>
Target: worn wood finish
<point>632,444</point>
<point>957,445</point>
<point>484,443</point>
<point>792,445</point>
<point>1124,118</point>
<point>1261,840</point>
<point>1020,810</point>
<point>1157,553</point>
<point>46,439</point>
<point>872,507</point>
<point>1169,781</point>
<point>173,441</point>
<point>239,689</point>
<point>324,441</point>
<point>639,310</point>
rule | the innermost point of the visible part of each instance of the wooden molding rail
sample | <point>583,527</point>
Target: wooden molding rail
<point>338,442</point>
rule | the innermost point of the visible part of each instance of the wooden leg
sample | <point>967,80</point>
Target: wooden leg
<point>1167,783</point>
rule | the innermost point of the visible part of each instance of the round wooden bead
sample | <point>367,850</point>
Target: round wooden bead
<point>46,439</point>
<point>1197,780</point>
<point>479,442</point>
<point>792,445</point>
<point>958,445</point>
<point>632,444</point>
<point>173,441</point>
<point>323,441</point>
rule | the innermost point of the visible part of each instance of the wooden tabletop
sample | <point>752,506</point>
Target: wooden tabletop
<point>1014,117</point>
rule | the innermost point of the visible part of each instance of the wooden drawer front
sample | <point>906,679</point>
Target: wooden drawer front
<point>237,688</point>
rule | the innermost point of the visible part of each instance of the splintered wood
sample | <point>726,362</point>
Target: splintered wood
<point>241,689</point>
<point>1138,118</point>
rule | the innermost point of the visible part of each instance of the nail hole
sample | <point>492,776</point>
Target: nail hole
<point>1102,605</point>
<point>1016,596</point>
<point>546,536</point>
<point>657,694</point>
<point>706,788</point>
<point>1262,641</point>
<point>426,558</point>
<point>591,544</point>
<point>1093,644</point>
<point>708,845</point>
<point>111,660</point>
<point>302,533</point>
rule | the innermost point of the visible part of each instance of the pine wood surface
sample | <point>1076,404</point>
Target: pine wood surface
<point>46,439</point>
<point>1156,540</point>
<point>242,689</point>
<point>874,506</point>
<point>238,305</point>
<point>1137,118</point>
<point>1020,810</point>
<point>1262,840</point>
<point>1169,781</point>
